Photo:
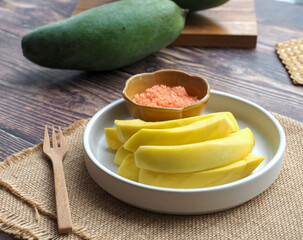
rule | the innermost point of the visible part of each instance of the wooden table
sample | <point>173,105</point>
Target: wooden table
<point>31,96</point>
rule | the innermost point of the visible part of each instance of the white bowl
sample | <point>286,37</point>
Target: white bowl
<point>270,143</point>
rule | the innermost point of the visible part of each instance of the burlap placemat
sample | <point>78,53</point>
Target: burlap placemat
<point>27,203</point>
<point>291,55</point>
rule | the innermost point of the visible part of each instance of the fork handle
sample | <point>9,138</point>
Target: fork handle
<point>62,203</point>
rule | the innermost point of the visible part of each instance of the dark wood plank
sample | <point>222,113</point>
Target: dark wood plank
<point>31,96</point>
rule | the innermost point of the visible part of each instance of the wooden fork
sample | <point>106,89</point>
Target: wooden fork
<point>56,150</point>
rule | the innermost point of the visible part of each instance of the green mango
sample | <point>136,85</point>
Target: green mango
<point>107,37</point>
<point>196,5</point>
<point>196,157</point>
<point>127,128</point>
<point>207,129</point>
<point>207,178</point>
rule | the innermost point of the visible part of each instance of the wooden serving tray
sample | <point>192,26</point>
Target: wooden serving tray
<point>231,25</point>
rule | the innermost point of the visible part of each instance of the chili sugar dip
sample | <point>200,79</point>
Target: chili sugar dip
<point>165,96</point>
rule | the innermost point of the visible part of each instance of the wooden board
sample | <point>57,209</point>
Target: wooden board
<point>230,25</point>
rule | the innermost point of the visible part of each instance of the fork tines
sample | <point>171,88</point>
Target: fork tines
<point>54,142</point>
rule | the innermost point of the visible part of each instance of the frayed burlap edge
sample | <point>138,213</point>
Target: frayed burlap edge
<point>11,225</point>
<point>14,228</point>
<point>17,231</point>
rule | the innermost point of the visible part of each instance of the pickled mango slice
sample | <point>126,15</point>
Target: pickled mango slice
<point>111,137</point>
<point>207,178</point>
<point>196,156</point>
<point>120,155</point>
<point>207,129</point>
<point>128,168</point>
<point>126,128</point>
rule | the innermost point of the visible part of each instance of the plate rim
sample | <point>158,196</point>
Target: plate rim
<point>274,160</point>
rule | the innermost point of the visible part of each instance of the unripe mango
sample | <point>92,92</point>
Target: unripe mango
<point>207,129</point>
<point>106,37</point>
<point>196,5</point>
<point>207,178</point>
<point>111,137</point>
<point>127,128</point>
<point>197,156</point>
<point>128,168</point>
<point>120,155</point>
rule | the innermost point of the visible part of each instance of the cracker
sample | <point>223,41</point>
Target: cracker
<point>291,55</point>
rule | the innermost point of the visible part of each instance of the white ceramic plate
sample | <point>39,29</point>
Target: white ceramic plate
<point>270,143</point>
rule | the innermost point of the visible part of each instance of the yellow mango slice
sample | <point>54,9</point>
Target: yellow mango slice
<point>111,137</point>
<point>128,168</point>
<point>120,155</point>
<point>126,128</point>
<point>207,129</point>
<point>208,178</point>
<point>197,156</point>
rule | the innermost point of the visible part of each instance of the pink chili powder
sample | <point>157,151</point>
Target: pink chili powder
<point>164,96</point>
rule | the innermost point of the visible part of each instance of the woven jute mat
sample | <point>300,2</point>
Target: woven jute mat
<point>27,203</point>
<point>291,55</point>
